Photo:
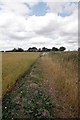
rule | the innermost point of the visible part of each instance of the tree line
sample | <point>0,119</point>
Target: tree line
<point>34,49</point>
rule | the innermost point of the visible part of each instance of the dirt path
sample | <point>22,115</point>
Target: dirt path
<point>29,98</point>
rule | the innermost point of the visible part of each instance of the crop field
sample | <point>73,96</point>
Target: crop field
<point>49,90</point>
<point>14,65</point>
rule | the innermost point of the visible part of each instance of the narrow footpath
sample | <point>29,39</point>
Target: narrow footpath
<point>29,98</point>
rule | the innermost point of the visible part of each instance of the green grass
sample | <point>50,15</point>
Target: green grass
<point>14,65</point>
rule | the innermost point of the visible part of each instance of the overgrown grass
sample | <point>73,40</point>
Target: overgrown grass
<point>61,70</point>
<point>14,65</point>
<point>0,74</point>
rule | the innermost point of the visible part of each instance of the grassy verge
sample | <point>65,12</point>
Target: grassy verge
<point>61,70</point>
<point>0,74</point>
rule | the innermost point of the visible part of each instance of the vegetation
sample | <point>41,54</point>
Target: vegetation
<point>34,49</point>
<point>54,49</point>
<point>61,70</point>
<point>14,66</point>
<point>30,98</point>
<point>47,89</point>
<point>0,74</point>
<point>62,49</point>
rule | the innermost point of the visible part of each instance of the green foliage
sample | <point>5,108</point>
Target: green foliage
<point>62,48</point>
<point>29,100</point>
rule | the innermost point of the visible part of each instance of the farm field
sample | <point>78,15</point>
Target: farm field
<point>14,65</point>
<point>48,90</point>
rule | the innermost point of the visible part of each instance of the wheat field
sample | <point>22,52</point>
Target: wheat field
<point>14,65</point>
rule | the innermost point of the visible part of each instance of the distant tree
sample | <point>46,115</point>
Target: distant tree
<point>14,50</point>
<point>62,49</point>
<point>48,50</point>
<point>20,50</point>
<point>29,50</point>
<point>44,49</point>
<point>2,51</point>
<point>54,49</point>
<point>39,50</point>
<point>33,49</point>
<point>17,50</point>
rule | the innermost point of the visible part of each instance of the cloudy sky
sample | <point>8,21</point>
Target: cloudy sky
<point>39,23</point>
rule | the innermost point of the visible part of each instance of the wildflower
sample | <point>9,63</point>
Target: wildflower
<point>45,114</point>
<point>47,81</point>
<point>36,93</point>
<point>21,92</point>
<point>51,88</point>
<point>5,107</point>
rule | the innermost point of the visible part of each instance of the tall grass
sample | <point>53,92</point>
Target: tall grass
<point>14,65</point>
<point>61,69</point>
<point>0,74</point>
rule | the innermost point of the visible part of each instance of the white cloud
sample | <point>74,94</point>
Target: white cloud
<point>61,1</point>
<point>62,7</point>
<point>18,30</point>
<point>19,7</point>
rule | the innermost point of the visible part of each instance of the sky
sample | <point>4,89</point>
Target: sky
<point>38,23</point>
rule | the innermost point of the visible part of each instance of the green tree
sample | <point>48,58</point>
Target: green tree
<point>62,49</point>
